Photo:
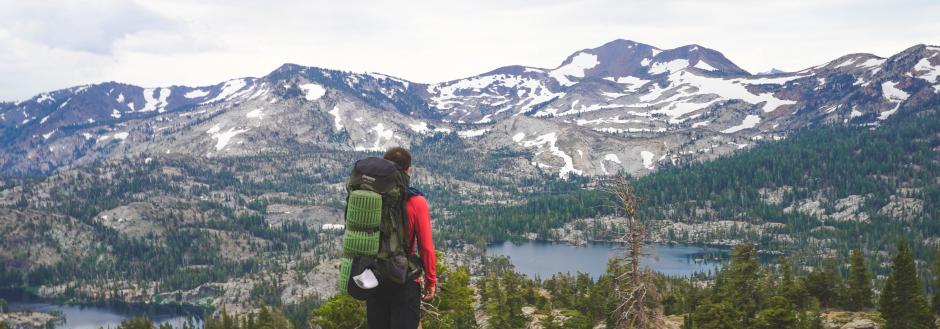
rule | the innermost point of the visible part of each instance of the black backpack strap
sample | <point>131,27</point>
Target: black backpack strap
<point>406,224</point>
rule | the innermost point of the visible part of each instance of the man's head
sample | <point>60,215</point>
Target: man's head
<point>399,156</point>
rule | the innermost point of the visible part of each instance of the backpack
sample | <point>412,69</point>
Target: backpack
<point>377,226</point>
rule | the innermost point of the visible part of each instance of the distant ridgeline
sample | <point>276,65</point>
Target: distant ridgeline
<point>806,182</point>
<point>199,220</point>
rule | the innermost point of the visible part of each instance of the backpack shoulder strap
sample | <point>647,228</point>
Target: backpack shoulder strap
<point>412,192</point>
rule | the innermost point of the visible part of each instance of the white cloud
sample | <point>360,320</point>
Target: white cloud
<point>56,44</point>
<point>88,26</point>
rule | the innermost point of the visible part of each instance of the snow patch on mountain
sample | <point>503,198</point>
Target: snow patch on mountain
<point>582,109</point>
<point>44,98</point>
<point>728,89</point>
<point>159,103</point>
<point>750,121</point>
<point>476,84</point>
<point>229,88</point>
<point>670,66</point>
<point>216,128</point>
<point>703,65</point>
<point>872,62</point>
<point>890,91</point>
<point>198,93</point>
<point>529,92</point>
<point>581,62</point>
<point>648,159</point>
<point>847,62</point>
<point>337,119</point>
<point>257,113</point>
<point>550,140</point>
<point>927,71</point>
<point>380,76</point>
<point>381,135</point>
<point>612,157</point>
<point>855,113</point>
<point>700,124</point>
<point>886,114</point>
<point>421,127</point>
<point>223,138</point>
<point>115,114</point>
<point>472,133</point>
<point>312,91</point>
<point>631,84</point>
<point>615,119</point>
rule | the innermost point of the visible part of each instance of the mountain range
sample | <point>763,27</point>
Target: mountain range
<point>622,106</point>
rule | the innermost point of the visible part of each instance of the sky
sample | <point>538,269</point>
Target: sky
<point>53,44</point>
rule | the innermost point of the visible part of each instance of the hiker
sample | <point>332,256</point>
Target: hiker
<point>397,306</point>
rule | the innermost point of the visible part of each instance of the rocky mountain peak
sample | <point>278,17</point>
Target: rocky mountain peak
<point>617,58</point>
<point>919,58</point>
<point>626,58</point>
<point>703,59</point>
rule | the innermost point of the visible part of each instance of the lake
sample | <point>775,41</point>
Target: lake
<point>94,317</point>
<point>546,258</point>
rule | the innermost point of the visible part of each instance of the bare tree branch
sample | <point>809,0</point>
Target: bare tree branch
<point>639,306</point>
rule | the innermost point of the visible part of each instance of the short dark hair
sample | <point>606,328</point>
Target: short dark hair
<point>400,156</point>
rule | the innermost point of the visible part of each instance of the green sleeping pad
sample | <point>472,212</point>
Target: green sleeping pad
<point>363,210</point>
<point>360,243</point>
<point>345,266</point>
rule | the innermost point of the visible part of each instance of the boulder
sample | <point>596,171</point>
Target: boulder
<point>860,324</point>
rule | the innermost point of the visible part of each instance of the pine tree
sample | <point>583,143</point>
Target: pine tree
<point>790,288</point>
<point>787,285</point>
<point>859,283</point>
<point>716,316</point>
<point>935,272</point>
<point>903,304</point>
<point>272,319</point>
<point>811,319</point>
<point>454,307</point>
<point>136,323</point>
<point>505,301</point>
<point>742,279</point>
<point>339,312</point>
<point>779,315</point>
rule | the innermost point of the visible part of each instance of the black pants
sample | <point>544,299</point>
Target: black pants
<point>395,306</point>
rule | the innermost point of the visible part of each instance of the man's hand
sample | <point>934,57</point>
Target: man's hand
<point>429,292</point>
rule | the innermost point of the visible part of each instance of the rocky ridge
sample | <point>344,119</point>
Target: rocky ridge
<point>623,106</point>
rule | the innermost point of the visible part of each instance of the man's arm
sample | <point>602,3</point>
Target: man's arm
<point>425,241</point>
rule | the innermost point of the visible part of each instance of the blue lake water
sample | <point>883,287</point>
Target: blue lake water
<point>546,258</point>
<point>94,317</point>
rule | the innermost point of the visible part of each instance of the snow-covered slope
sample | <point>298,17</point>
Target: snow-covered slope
<point>621,106</point>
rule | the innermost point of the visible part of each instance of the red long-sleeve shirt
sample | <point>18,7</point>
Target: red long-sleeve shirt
<point>419,218</point>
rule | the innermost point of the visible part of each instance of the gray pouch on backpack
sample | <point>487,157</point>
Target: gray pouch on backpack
<point>396,269</point>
